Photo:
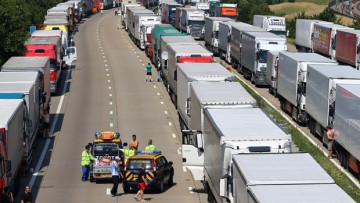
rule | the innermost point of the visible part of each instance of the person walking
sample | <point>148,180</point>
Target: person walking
<point>86,158</point>
<point>158,68</point>
<point>134,143</point>
<point>148,73</point>
<point>27,196</point>
<point>150,146</point>
<point>46,123</point>
<point>141,183</point>
<point>115,174</point>
<point>330,136</point>
<point>7,197</point>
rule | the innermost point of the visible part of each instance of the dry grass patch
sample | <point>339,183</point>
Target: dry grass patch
<point>292,9</point>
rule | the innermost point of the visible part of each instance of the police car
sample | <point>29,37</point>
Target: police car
<point>159,172</point>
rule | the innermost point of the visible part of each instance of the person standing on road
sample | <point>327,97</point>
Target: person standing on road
<point>141,183</point>
<point>7,197</point>
<point>330,136</point>
<point>27,196</point>
<point>86,158</point>
<point>150,146</point>
<point>158,71</point>
<point>115,173</point>
<point>148,73</point>
<point>127,153</point>
<point>134,143</point>
<point>46,124</point>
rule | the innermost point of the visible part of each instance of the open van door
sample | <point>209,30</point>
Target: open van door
<point>71,56</point>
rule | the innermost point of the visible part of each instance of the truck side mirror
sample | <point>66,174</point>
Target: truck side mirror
<point>199,141</point>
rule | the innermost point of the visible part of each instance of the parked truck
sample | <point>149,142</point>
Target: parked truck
<point>63,11</point>
<point>291,169</point>
<point>25,86</point>
<point>225,29</point>
<point>57,24</point>
<point>348,47</point>
<point>236,43</point>
<point>169,13</point>
<point>183,54</point>
<point>304,34</point>
<point>155,32</point>
<point>130,10</point>
<point>233,131</point>
<point>255,46</point>
<point>346,126</point>
<point>204,6</point>
<point>212,33</point>
<point>136,17</point>
<point>124,8</point>
<point>12,130</point>
<point>205,95</point>
<point>167,40</point>
<point>143,26</point>
<point>273,24</point>
<point>52,34</point>
<point>321,94</point>
<point>324,38</point>
<point>178,18</point>
<point>292,81</point>
<point>40,65</point>
<point>212,5</point>
<point>48,47</point>
<point>192,22</point>
<point>226,10</point>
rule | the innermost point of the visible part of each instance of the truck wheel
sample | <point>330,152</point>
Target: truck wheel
<point>126,188</point>
<point>171,181</point>
<point>160,187</point>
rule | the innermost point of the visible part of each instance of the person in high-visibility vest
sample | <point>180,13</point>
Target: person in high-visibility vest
<point>150,146</point>
<point>86,158</point>
<point>127,154</point>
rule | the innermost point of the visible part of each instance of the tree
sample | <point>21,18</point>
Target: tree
<point>262,9</point>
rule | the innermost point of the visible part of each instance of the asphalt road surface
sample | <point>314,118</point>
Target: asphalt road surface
<point>106,90</point>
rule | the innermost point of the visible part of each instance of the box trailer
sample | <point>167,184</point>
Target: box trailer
<point>292,78</point>
<point>304,34</point>
<point>129,15</point>
<point>233,131</point>
<point>226,10</point>
<point>236,42</point>
<point>32,64</point>
<point>183,54</point>
<point>255,46</point>
<point>207,95</point>
<point>143,26</point>
<point>124,8</point>
<point>212,32</point>
<point>321,94</point>
<point>273,24</point>
<point>158,28</point>
<point>134,20</point>
<point>348,47</point>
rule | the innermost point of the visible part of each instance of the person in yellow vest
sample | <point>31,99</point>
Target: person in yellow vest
<point>127,154</point>
<point>150,146</point>
<point>86,158</point>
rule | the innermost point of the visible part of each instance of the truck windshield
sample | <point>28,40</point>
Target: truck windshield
<point>137,163</point>
<point>279,33</point>
<point>106,149</point>
<point>262,56</point>
<point>196,23</point>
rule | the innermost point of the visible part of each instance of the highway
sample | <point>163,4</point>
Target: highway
<point>106,90</point>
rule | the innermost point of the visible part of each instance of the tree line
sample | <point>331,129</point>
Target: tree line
<point>16,18</point>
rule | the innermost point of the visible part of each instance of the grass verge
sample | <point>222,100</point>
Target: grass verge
<point>304,145</point>
<point>321,2</point>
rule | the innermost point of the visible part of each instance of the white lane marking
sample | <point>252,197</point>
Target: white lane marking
<point>103,56</point>
<point>106,65</point>
<point>143,64</point>
<point>179,152</point>
<point>108,191</point>
<point>170,124</point>
<point>155,86</point>
<point>191,190</point>
<point>166,112</point>
<point>111,125</point>
<point>102,53</point>
<point>158,94</point>
<point>111,112</point>
<point>161,102</point>
<point>140,60</point>
<point>184,169</point>
<point>105,60</point>
<point>138,56</point>
<point>108,74</point>
<point>106,69</point>
<point>110,103</point>
<point>110,95</point>
<point>108,80</point>
<point>109,88</point>
<point>53,124</point>
<point>174,136</point>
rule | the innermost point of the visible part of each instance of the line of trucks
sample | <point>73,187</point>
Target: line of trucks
<point>26,85</point>
<point>222,143</point>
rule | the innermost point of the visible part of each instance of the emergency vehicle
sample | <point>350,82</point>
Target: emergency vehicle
<point>158,171</point>
<point>106,146</point>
